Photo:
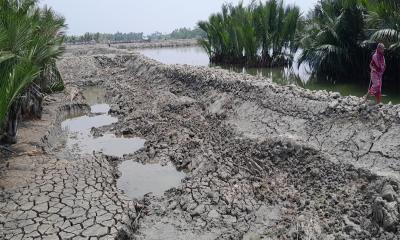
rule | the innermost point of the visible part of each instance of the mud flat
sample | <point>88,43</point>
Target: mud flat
<point>78,50</point>
<point>261,161</point>
<point>159,44</point>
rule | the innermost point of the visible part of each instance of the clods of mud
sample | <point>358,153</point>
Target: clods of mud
<point>138,179</point>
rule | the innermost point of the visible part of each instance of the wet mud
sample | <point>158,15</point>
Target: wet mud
<point>258,160</point>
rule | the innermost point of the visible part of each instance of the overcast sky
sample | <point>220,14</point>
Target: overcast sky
<point>147,16</point>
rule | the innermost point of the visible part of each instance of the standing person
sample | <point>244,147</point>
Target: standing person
<point>378,67</point>
<point>109,43</point>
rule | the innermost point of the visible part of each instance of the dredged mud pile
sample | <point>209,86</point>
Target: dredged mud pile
<point>159,44</point>
<point>262,161</point>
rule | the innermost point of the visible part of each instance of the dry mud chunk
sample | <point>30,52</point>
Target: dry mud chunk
<point>388,193</point>
<point>386,214</point>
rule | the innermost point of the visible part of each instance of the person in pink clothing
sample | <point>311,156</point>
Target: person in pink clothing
<point>378,67</point>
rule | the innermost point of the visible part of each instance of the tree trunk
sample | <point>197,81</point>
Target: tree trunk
<point>31,106</point>
<point>11,126</point>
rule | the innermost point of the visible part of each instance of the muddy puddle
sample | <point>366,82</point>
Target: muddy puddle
<point>136,179</point>
<point>139,179</point>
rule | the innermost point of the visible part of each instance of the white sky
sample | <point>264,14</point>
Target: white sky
<point>148,16</point>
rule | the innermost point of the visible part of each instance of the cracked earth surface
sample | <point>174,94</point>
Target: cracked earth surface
<point>45,196</point>
<point>262,161</point>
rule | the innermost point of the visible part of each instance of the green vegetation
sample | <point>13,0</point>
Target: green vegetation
<point>262,34</point>
<point>30,42</point>
<point>181,33</point>
<point>104,37</point>
<point>337,37</point>
<point>341,35</point>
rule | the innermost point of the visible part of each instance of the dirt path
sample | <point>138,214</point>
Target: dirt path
<point>262,161</point>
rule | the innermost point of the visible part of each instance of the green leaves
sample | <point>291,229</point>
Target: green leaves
<point>30,41</point>
<point>333,39</point>
<point>252,35</point>
<point>4,56</point>
<point>386,35</point>
<point>341,35</point>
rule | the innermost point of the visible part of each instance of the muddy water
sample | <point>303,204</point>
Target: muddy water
<point>136,179</point>
<point>83,124</point>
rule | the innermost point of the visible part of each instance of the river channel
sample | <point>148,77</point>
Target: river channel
<point>300,76</point>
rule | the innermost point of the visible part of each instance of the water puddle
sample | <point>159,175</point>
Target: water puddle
<point>100,108</point>
<point>85,123</point>
<point>138,179</point>
<point>79,129</point>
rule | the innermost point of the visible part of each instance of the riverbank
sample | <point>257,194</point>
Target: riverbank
<point>294,74</point>
<point>159,44</point>
<point>118,47</point>
<point>262,160</point>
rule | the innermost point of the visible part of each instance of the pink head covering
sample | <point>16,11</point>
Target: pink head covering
<point>379,59</point>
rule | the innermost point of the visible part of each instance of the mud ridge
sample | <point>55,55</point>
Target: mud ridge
<point>263,160</point>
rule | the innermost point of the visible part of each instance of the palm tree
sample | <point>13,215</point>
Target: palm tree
<point>333,44</point>
<point>30,41</point>
<point>238,34</point>
<point>383,20</point>
<point>341,36</point>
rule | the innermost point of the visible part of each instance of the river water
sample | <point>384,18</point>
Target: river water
<point>300,76</point>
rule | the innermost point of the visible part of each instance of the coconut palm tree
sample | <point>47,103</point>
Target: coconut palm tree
<point>333,43</point>
<point>30,41</point>
<point>383,22</point>
<point>382,19</point>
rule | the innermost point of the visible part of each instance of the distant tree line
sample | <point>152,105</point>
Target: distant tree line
<point>104,37</point>
<point>181,33</point>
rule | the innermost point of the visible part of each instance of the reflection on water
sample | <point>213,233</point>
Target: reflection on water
<point>79,129</point>
<point>284,75</point>
<point>100,108</point>
<point>83,123</point>
<point>138,179</point>
<point>80,137</point>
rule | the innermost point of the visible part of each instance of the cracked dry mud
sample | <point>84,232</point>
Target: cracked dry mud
<point>262,161</point>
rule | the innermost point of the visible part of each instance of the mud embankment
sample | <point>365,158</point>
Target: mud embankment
<point>263,160</point>
<point>159,44</point>
<point>348,130</point>
<point>118,48</point>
